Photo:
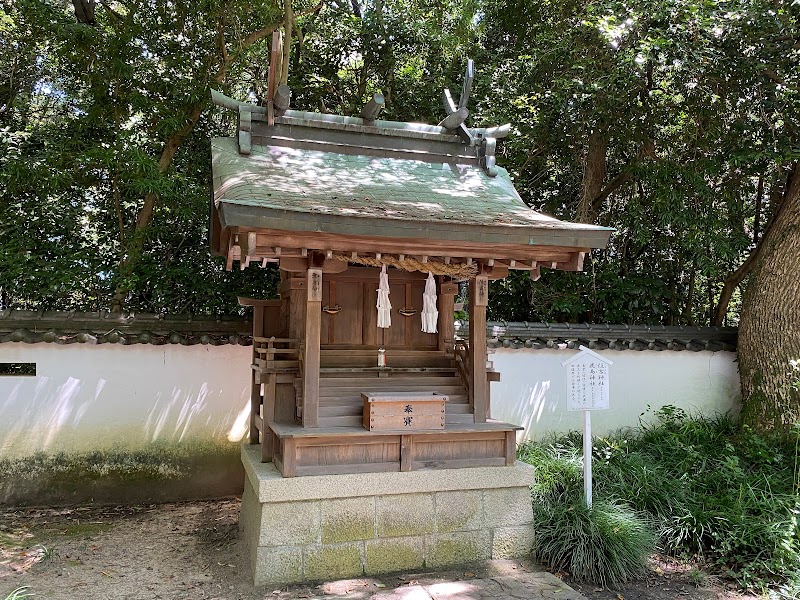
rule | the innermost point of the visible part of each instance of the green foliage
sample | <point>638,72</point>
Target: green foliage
<point>695,103</point>
<point>696,108</point>
<point>714,492</point>
<point>606,544</point>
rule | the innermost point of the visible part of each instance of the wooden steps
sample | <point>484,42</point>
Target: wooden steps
<point>341,405</point>
<point>356,390</point>
<point>343,358</point>
<point>350,410</point>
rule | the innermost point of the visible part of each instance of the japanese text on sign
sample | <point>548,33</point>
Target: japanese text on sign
<point>587,384</point>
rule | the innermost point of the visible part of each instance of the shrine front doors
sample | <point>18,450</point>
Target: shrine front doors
<point>349,315</point>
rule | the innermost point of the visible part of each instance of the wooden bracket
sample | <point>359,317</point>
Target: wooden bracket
<point>575,262</point>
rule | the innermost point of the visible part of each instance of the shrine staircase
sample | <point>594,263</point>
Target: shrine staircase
<point>346,374</point>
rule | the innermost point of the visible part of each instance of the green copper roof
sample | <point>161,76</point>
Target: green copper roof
<point>341,183</point>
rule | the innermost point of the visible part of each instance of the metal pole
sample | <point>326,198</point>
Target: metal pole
<point>587,457</point>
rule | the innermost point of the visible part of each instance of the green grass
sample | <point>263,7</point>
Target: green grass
<point>710,491</point>
<point>19,593</point>
<point>607,544</point>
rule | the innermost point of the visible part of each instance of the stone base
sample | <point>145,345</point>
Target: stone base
<point>343,526</point>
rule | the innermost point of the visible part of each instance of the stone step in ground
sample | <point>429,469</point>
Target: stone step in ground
<point>493,580</point>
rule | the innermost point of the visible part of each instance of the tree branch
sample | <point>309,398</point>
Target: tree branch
<point>733,280</point>
<point>287,41</point>
<point>624,177</point>
<point>111,11</point>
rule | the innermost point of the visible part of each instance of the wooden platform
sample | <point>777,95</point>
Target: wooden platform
<point>299,451</point>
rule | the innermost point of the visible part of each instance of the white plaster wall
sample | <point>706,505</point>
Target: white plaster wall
<point>86,397</point>
<point>532,390</point>
<point>107,396</point>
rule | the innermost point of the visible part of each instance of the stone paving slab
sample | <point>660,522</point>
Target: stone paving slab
<point>493,580</point>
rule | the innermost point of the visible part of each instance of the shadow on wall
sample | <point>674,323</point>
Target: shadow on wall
<point>139,424</point>
<point>49,415</point>
<point>531,403</point>
<point>532,389</point>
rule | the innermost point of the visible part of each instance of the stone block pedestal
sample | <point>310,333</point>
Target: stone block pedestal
<point>343,526</point>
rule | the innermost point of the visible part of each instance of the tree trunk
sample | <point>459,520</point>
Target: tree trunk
<point>135,243</point>
<point>594,172</point>
<point>769,331</point>
<point>735,278</point>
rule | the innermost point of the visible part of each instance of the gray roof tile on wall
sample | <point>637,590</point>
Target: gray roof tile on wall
<point>102,327</point>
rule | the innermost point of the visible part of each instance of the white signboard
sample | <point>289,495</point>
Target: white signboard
<point>587,390</point>
<point>587,381</point>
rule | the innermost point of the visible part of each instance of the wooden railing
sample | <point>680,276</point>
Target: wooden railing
<point>274,359</point>
<point>276,355</point>
<point>298,382</point>
<point>461,356</point>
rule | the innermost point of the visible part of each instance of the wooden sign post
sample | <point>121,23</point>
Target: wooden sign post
<point>587,390</point>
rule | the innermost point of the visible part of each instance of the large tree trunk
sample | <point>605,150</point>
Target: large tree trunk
<point>769,330</point>
<point>594,172</point>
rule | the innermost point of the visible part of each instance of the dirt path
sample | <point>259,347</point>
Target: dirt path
<point>193,551</point>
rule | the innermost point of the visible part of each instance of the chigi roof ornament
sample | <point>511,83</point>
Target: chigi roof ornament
<point>477,144</point>
<point>483,140</point>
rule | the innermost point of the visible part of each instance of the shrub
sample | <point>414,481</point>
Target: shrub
<point>712,491</point>
<point>606,544</point>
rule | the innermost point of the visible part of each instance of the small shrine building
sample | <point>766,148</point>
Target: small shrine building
<point>334,201</point>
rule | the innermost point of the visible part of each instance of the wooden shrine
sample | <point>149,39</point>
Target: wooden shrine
<point>331,200</point>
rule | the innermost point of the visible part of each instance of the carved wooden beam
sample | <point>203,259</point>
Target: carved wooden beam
<point>245,126</point>
<point>499,132</point>
<point>455,119</point>
<point>272,77</point>
<point>220,99</point>
<point>486,155</point>
<point>298,264</point>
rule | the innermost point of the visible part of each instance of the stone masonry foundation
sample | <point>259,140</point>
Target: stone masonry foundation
<point>341,526</point>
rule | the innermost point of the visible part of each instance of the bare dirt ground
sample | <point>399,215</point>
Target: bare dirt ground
<point>667,579</point>
<point>192,551</point>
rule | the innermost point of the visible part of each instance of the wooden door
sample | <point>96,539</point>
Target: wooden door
<point>406,329</point>
<point>342,312</point>
<point>349,315</point>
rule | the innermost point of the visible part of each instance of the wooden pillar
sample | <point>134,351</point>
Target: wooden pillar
<point>447,329</point>
<point>268,417</point>
<point>311,348</point>
<point>479,387</point>
<point>294,293</point>
<point>255,378</point>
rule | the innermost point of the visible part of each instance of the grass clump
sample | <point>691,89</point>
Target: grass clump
<point>606,544</point>
<point>713,491</point>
